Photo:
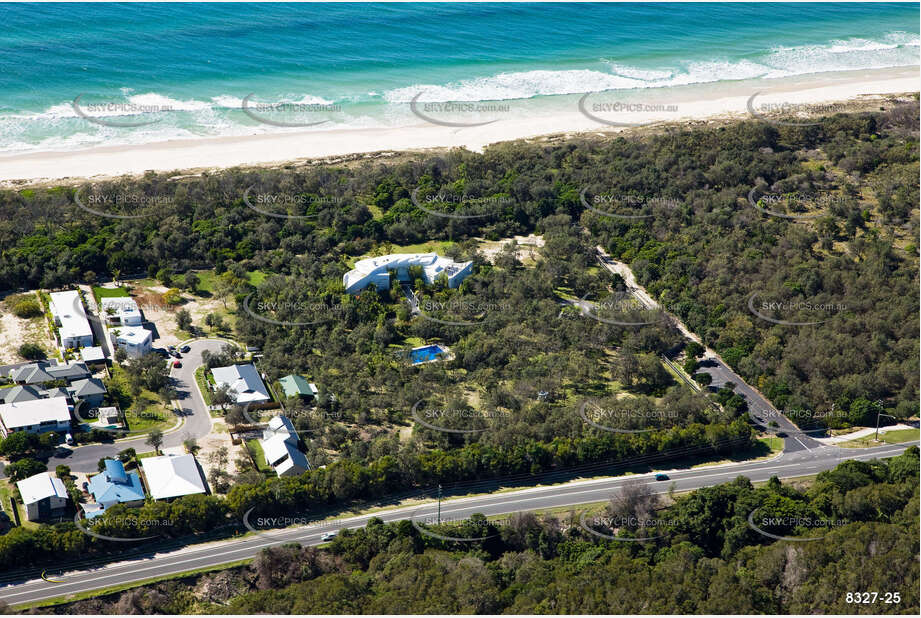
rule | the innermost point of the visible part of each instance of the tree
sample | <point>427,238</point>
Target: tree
<point>184,319</point>
<point>24,468</point>
<point>31,351</point>
<point>703,378</point>
<point>120,355</point>
<point>694,350</point>
<point>62,471</point>
<point>164,277</point>
<point>191,281</point>
<point>172,296</point>
<point>223,396</point>
<point>191,446</point>
<point>18,443</point>
<point>155,439</point>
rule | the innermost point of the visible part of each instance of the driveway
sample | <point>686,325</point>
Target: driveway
<point>761,411</point>
<point>197,419</point>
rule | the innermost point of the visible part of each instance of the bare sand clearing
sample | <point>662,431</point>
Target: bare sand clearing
<point>688,103</point>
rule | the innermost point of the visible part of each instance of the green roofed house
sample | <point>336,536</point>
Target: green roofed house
<point>297,386</point>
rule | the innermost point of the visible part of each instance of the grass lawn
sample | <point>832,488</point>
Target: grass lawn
<point>147,454</point>
<point>6,490</point>
<point>206,279</point>
<point>890,437</point>
<point>204,381</point>
<point>100,292</point>
<point>154,415</point>
<point>256,449</point>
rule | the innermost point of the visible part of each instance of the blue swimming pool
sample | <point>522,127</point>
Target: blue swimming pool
<point>426,354</point>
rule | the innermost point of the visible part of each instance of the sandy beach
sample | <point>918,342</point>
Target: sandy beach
<point>562,115</point>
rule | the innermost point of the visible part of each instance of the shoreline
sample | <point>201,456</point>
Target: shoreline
<point>721,102</point>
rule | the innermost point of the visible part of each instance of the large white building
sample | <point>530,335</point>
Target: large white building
<point>136,341</point>
<point>70,317</point>
<point>376,270</point>
<point>121,310</point>
<point>36,416</point>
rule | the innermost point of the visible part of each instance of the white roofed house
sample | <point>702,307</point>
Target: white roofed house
<point>279,443</point>
<point>171,476</point>
<point>136,341</point>
<point>376,270</point>
<point>244,380</point>
<point>36,416</point>
<point>121,311</point>
<point>43,495</point>
<point>70,317</point>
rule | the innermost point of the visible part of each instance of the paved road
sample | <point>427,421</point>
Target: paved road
<point>191,408</point>
<point>760,409</point>
<point>580,492</point>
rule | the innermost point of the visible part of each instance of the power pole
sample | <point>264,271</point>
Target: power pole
<point>439,503</point>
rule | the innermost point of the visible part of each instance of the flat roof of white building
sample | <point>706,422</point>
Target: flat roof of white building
<point>25,413</point>
<point>41,486</point>
<point>134,335</point>
<point>169,476</point>
<point>68,307</point>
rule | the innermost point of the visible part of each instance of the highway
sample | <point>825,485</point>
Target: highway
<point>800,463</point>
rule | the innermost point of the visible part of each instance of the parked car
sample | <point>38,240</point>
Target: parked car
<point>172,348</point>
<point>161,352</point>
<point>329,536</point>
<point>175,354</point>
<point>177,364</point>
<point>185,349</point>
<point>661,477</point>
<point>69,439</point>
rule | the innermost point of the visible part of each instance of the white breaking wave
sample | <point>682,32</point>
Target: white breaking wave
<point>896,49</point>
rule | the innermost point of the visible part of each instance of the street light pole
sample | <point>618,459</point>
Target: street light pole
<point>439,503</point>
<point>878,414</point>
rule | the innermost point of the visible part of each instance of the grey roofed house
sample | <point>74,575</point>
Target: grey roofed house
<point>69,372</point>
<point>57,391</point>
<point>30,374</point>
<point>37,373</point>
<point>19,393</point>
<point>84,389</point>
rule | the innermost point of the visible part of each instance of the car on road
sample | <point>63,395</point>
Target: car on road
<point>177,364</point>
<point>329,536</point>
<point>661,477</point>
<point>781,434</point>
<point>185,349</point>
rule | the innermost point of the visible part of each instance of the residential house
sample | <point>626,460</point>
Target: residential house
<point>121,311</point>
<point>36,416</point>
<point>297,386</point>
<point>93,355</point>
<point>41,372</point>
<point>43,496</point>
<point>90,390</point>
<point>136,341</point>
<point>245,382</point>
<point>376,270</point>
<point>114,486</point>
<point>171,476</point>
<point>70,317</point>
<point>279,444</point>
<point>19,393</point>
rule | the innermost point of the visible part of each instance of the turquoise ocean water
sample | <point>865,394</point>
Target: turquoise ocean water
<point>176,71</point>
